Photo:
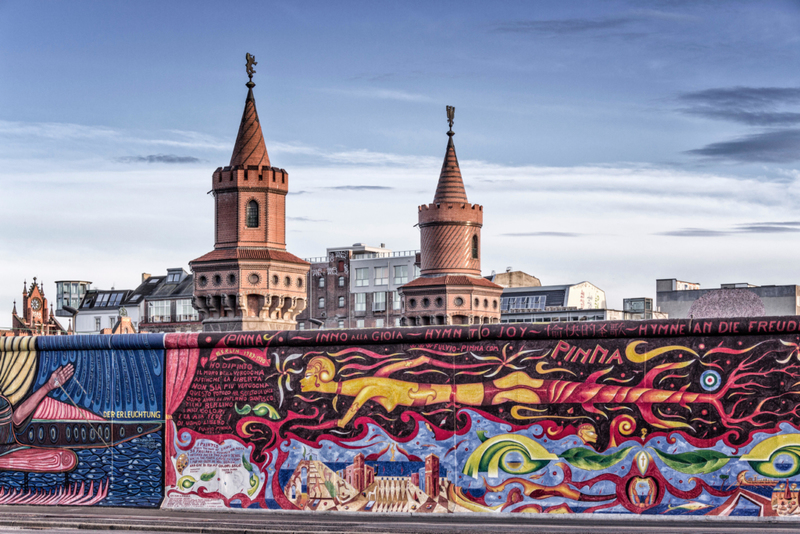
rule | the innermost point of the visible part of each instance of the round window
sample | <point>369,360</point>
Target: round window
<point>458,301</point>
<point>299,282</point>
<point>217,279</point>
<point>202,281</point>
<point>477,303</point>
<point>287,281</point>
<point>412,303</point>
<point>426,302</point>
<point>485,303</point>
<point>231,279</point>
<point>253,278</point>
<point>439,302</point>
<point>494,304</point>
<point>275,279</point>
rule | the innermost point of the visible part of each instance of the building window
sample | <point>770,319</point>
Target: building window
<point>251,216</point>
<point>341,281</point>
<point>381,276</point>
<point>416,271</point>
<point>97,323</point>
<point>341,302</point>
<point>341,323</point>
<point>362,277</point>
<point>301,326</point>
<point>400,274</point>
<point>321,281</point>
<point>158,311</point>
<point>184,310</point>
<point>475,247</point>
<point>360,323</point>
<point>397,321</point>
<point>321,303</point>
<point>536,302</point>
<point>379,301</point>
<point>361,302</point>
<point>396,302</point>
<point>378,323</point>
<point>340,266</point>
<point>111,321</point>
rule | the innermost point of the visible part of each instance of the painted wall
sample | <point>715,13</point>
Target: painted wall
<point>660,417</point>
<point>81,420</point>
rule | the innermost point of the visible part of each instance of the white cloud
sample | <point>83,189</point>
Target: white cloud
<point>382,94</point>
<point>110,223</point>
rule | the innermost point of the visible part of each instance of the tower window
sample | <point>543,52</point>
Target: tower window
<point>251,217</point>
<point>475,247</point>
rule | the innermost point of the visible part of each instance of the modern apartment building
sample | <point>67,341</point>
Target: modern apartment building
<point>356,287</point>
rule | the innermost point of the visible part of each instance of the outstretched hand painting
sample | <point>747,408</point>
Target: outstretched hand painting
<point>692,424</point>
<point>77,427</point>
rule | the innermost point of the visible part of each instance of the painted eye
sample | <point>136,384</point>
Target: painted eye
<point>710,380</point>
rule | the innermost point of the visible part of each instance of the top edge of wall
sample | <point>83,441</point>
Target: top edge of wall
<point>83,342</point>
<point>657,328</point>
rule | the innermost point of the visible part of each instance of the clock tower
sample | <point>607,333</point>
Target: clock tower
<point>36,318</point>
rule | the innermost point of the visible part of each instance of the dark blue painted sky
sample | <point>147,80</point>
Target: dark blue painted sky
<point>615,142</point>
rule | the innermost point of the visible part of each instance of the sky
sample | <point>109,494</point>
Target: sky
<point>616,142</point>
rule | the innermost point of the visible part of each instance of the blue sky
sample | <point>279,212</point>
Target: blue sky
<point>614,142</point>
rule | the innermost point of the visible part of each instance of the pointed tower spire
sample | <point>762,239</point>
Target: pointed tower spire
<point>451,186</point>
<point>14,311</point>
<point>250,148</point>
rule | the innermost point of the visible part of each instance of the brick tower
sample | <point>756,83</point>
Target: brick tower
<point>450,289</point>
<point>249,281</point>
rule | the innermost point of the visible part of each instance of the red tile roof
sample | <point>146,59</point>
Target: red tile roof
<point>250,148</point>
<point>250,254</point>
<point>451,186</point>
<point>452,280</point>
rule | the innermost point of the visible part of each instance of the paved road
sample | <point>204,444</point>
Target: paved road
<point>72,519</point>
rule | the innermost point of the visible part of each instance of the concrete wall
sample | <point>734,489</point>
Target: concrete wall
<point>88,418</point>
<point>673,417</point>
<point>659,417</point>
<point>761,300</point>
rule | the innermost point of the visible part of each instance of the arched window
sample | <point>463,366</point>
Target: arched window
<point>251,217</point>
<point>475,247</point>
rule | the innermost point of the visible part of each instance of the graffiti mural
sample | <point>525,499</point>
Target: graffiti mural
<point>81,420</point>
<point>657,417</point>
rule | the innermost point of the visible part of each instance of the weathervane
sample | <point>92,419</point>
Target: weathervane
<point>251,60</point>
<point>451,113</point>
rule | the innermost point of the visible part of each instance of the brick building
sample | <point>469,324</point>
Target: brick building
<point>450,289</point>
<point>36,319</point>
<point>432,482</point>
<point>249,281</point>
<point>358,474</point>
<point>357,287</point>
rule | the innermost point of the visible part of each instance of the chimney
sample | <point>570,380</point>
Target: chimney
<point>145,276</point>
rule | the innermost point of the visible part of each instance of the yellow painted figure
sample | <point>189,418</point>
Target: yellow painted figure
<point>390,393</point>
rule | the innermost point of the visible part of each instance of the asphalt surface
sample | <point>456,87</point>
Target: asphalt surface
<point>65,519</point>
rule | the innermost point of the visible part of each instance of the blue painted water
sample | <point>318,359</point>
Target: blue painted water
<point>134,467</point>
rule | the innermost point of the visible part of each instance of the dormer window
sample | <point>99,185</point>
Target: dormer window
<point>251,215</point>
